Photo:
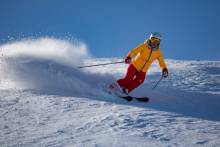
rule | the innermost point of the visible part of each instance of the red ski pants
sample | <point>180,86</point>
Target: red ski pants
<point>132,79</point>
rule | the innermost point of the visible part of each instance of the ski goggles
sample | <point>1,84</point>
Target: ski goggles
<point>154,39</point>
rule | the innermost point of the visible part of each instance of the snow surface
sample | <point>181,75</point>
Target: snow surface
<point>46,100</point>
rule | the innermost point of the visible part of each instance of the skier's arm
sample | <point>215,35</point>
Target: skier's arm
<point>135,51</point>
<point>162,65</point>
<point>161,61</point>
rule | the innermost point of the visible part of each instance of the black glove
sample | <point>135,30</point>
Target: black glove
<point>128,60</point>
<point>165,72</point>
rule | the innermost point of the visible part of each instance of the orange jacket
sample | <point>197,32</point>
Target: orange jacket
<point>143,57</point>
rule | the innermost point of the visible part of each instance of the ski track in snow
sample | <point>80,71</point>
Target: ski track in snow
<point>41,120</point>
<point>47,103</point>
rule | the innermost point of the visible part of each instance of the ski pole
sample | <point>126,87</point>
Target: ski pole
<point>157,83</point>
<point>101,64</point>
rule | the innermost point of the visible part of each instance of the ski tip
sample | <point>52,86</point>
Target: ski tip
<point>143,99</point>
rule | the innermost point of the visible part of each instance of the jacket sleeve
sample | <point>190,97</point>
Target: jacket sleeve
<point>161,61</point>
<point>135,51</point>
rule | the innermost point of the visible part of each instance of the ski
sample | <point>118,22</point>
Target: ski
<point>127,97</point>
<point>131,98</point>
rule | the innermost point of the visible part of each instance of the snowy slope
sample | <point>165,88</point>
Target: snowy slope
<point>45,100</point>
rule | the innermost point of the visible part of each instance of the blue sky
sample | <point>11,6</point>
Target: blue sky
<point>110,28</point>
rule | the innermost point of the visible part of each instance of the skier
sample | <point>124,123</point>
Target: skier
<point>139,60</point>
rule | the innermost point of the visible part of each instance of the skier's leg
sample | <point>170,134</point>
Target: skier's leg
<point>131,72</point>
<point>139,79</point>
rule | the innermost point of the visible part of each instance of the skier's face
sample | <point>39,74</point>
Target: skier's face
<point>155,42</point>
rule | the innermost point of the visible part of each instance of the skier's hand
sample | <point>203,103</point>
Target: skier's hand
<point>128,60</point>
<point>165,73</point>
